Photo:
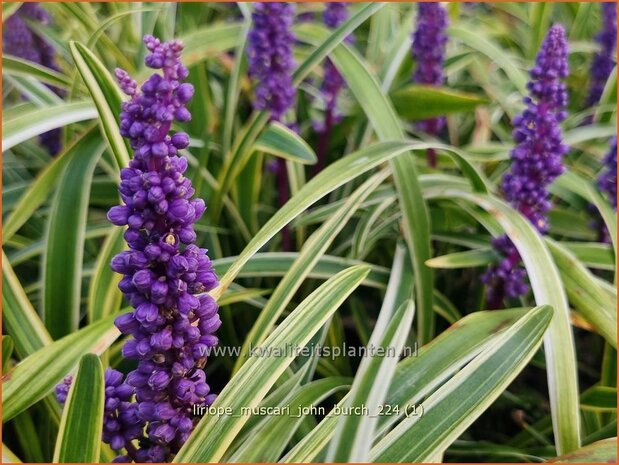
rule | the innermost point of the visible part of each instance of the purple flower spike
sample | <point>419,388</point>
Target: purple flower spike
<point>429,42</point>
<point>165,276</point>
<point>603,63</point>
<point>536,161</point>
<point>332,84</point>
<point>269,53</point>
<point>607,181</point>
<point>334,15</point>
<point>20,41</point>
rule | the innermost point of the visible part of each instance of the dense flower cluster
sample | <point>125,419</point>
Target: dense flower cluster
<point>269,53</point>
<point>603,62</point>
<point>121,421</point>
<point>537,157</point>
<point>165,276</point>
<point>536,160</point>
<point>607,181</point>
<point>429,42</point>
<point>20,41</point>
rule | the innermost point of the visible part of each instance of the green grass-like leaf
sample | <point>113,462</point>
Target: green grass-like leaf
<point>269,439</point>
<point>106,97</point>
<point>14,66</point>
<point>283,142</point>
<point>604,451</point>
<point>103,296</point>
<point>7,352</point>
<point>35,376</point>
<point>40,120</point>
<point>417,377</point>
<point>468,259</point>
<point>417,102</point>
<point>326,181</point>
<point>583,290</point>
<point>19,317</point>
<point>79,437</point>
<point>64,252</point>
<point>548,290</point>
<point>350,442</point>
<point>313,249</point>
<point>278,264</point>
<point>456,405</point>
<point>38,192</point>
<point>247,388</point>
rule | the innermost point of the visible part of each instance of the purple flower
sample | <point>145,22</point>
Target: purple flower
<point>269,53</point>
<point>20,41</point>
<point>121,422</point>
<point>607,180</point>
<point>165,276</point>
<point>603,63</point>
<point>62,389</point>
<point>536,161</point>
<point>507,278</point>
<point>429,42</point>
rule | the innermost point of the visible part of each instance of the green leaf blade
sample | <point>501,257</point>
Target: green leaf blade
<point>62,263</point>
<point>79,437</point>
<point>350,442</point>
<point>450,410</point>
<point>548,290</point>
<point>35,376</point>
<point>106,97</point>
<point>417,102</point>
<point>213,435</point>
<point>41,120</point>
<point>283,142</point>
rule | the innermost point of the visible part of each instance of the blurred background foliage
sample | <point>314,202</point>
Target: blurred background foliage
<point>57,241</point>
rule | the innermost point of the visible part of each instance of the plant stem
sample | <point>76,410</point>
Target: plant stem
<point>282,198</point>
<point>323,142</point>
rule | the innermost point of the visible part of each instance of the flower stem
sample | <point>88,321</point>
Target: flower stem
<point>323,142</point>
<point>282,198</point>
